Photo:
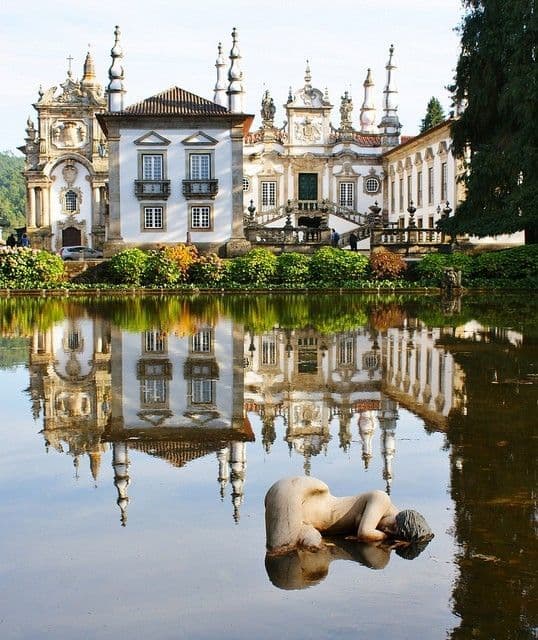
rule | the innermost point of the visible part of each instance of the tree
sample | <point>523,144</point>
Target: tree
<point>12,189</point>
<point>496,135</point>
<point>434,115</point>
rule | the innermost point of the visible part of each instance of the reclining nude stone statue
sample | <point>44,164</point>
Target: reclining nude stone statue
<point>298,510</point>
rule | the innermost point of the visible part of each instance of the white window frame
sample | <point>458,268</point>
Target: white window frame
<point>431,193</point>
<point>201,218</point>
<point>269,350</point>
<point>268,195</point>
<point>202,391</point>
<point>154,341</point>
<point>153,217</point>
<point>346,194</point>
<point>371,185</point>
<point>200,166</point>
<point>419,188</point>
<point>444,181</point>
<point>152,166</point>
<point>202,341</point>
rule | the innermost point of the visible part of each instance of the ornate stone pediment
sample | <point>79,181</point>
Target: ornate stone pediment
<point>442,149</point>
<point>408,164</point>
<point>69,134</point>
<point>418,158</point>
<point>428,155</point>
<point>71,92</point>
<point>307,162</point>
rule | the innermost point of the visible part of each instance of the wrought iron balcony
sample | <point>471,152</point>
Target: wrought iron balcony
<point>145,189</point>
<point>200,189</point>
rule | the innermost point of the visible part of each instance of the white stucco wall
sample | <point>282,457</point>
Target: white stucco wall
<point>177,208</point>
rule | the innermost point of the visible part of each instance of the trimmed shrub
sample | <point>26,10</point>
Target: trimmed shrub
<point>25,268</point>
<point>292,269</point>
<point>257,268</point>
<point>207,271</point>
<point>386,265</point>
<point>513,264</point>
<point>128,266</point>
<point>160,270</point>
<point>431,268</point>
<point>335,267</point>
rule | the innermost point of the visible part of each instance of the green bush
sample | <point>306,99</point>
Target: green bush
<point>292,269</point>
<point>256,268</point>
<point>430,269</point>
<point>512,264</point>
<point>385,264</point>
<point>128,266</point>
<point>24,268</point>
<point>335,267</point>
<point>160,270</point>
<point>207,271</point>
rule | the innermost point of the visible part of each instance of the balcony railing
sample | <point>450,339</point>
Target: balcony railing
<point>145,189</point>
<point>200,189</point>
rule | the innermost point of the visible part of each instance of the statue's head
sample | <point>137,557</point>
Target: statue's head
<point>411,526</point>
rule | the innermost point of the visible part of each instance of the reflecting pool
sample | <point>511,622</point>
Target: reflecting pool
<point>140,436</point>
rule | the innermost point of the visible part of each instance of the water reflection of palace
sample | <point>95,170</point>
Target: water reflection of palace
<point>180,398</point>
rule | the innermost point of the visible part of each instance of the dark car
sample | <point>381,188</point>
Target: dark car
<point>80,253</point>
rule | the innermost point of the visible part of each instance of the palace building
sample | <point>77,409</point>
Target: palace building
<point>177,167</point>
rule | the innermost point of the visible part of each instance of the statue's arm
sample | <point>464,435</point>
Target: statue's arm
<point>376,507</point>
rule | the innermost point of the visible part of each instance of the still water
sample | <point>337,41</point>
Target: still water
<point>139,437</point>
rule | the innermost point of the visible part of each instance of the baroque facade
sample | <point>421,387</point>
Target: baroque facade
<point>177,167</point>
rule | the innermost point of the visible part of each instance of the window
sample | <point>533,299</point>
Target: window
<point>152,167</point>
<point>154,341</point>
<point>154,391</point>
<point>346,196</point>
<point>419,189</point>
<point>268,195</point>
<point>246,184</point>
<point>201,217</point>
<point>444,181</point>
<point>346,351</point>
<point>371,185</point>
<point>401,194</point>
<point>409,190</point>
<point>268,350</point>
<point>200,166</point>
<point>430,185</point>
<point>202,391</point>
<point>71,204</point>
<point>153,217</point>
<point>201,341</point>
<point>392,188</point>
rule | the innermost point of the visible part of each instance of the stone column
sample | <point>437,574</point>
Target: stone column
<point>45,206</point>
<point>114,222</point>
<point>31,222</point>
<point>96,205</point>
<point>237,244</point>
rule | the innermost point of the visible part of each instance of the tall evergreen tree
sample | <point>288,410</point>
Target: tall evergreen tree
<point>12,189</point>
<point>434,115</point>
<point>496,134</point>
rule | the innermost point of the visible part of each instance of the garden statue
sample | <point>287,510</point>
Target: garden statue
<point>298,510</point>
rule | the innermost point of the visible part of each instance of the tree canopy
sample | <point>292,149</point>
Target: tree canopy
<point>496,135</point>
<point>434,115</point>
<point>12,189</point>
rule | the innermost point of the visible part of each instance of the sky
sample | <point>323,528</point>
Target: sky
<point>174,42</point>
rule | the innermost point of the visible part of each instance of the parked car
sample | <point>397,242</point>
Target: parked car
<point>80,252</point>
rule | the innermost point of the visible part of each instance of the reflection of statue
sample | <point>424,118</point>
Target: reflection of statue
<point>299,509</point>
<point>304,568</point>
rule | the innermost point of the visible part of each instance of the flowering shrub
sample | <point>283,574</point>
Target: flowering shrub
<point>183,256</point>
<point>24,268</point>
<point>161,270</point>
<point>386,264</point>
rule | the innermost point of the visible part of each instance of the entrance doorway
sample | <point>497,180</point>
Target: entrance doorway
<point>71,237</point>
<point>308,191</point>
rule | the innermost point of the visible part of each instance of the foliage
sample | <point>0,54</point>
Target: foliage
<point>12,189</point>
<point>128,266</point>
<point>257,268</point>
<point>183,256</point>
<point>292,269</point>
<point>386,264</point>
<point>161,270</point>
<point>335,267</point>
<point>20,317</point>
<point>13,352</point>
<point>497,82</point>
<point>207,271</point>
<point>24,268</point>
<point>430,269</point>
<point>434,115</point>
